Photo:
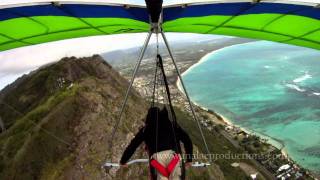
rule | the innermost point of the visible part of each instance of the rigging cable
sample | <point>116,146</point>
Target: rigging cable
<point>154,85</point>
<point>172,115</point>
<point>186,94</point>
<point>135,71</point>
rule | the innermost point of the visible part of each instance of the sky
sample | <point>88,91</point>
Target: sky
<point>16,62</point>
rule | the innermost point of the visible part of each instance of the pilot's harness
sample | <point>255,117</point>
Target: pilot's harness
<point>166,171</point>
<point>159,79</point>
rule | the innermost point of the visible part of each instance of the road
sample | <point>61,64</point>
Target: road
<point>265,172</point>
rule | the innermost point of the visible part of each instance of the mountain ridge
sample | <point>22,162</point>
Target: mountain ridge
<point>63,131</point>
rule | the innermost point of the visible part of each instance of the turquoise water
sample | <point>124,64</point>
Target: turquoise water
<point>270,88</point>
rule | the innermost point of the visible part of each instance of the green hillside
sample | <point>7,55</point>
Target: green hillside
<point>58,122</point>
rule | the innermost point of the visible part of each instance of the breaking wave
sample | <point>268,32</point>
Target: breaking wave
<point>295,87</point>
<point>303,77</point>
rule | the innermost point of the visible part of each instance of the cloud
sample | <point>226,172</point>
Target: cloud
<point>28,58</point>
<point>16,62</point>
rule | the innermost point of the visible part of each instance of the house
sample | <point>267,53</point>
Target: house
<point>254,176</point>
<point>284,167</point>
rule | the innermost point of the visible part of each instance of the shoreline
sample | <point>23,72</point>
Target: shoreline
<point>273,142</point>
<point>227,122</point>
<point>204,58</point>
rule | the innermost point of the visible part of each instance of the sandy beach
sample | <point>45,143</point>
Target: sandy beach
<point>275,143</point>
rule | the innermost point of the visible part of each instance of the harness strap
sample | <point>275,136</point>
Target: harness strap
<point>173,163</point>
<point>161,169</point>
<point>166,171</point>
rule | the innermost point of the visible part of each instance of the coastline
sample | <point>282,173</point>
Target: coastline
<point>204,58</point>
<point>275,143</point>
<point>227,122</point>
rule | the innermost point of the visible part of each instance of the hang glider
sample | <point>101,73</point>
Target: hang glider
<point>29,22</point>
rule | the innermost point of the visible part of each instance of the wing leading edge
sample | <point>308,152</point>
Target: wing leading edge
<point>280,22</point>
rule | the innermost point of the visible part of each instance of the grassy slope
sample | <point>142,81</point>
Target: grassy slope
<point>26,149</point>
<point>61,132</point>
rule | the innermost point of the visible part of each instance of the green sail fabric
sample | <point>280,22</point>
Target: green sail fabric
<point>23,31</point>
<point>286,23</point>
<point>291,29</point>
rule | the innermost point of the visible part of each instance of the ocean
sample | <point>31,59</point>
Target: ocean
<point>269,88</point>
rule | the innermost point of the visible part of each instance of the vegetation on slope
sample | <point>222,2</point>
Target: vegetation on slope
<point>60,117</point>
